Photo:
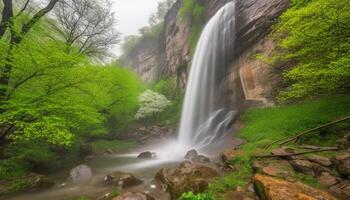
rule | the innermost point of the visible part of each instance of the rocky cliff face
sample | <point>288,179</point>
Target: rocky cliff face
<point>144,59</point>
<point>248,78</point>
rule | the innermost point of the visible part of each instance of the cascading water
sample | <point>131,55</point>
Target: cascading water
<point>205,119</point>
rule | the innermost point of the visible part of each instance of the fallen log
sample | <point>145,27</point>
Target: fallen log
<point>297,137</point>
<point>298,153</point>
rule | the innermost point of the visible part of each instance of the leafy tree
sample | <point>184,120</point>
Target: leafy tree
<point>315,35</point>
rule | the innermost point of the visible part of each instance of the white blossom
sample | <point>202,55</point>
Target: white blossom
<point>151,103</point>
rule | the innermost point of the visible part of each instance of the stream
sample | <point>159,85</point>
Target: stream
<point>88,180</point>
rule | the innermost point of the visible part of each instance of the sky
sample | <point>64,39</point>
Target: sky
<point>132,15</point>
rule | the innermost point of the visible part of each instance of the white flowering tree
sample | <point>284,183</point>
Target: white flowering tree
<point>151,103</point>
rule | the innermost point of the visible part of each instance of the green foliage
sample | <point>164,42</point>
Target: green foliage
<point>268,124</point>
<point>264,125</point>
<point>308,180</point>
<point>10,168</point>
<point>201,196</point>
<point>165,87</point>
<point>240,177</point>
<point>55,98</point>
<point>315,36</point>
<point>195,12</point>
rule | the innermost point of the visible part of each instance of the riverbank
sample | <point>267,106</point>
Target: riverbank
<point>261,127</point>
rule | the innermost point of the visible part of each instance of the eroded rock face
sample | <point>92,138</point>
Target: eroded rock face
<point>187,177</point>
<point>254,19</point>
<point>270,188</point>
<point>252,82</point>
<point>144,59</point>
<point>122,180</point>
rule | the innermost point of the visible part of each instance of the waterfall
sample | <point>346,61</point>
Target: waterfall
<point>205,118</point>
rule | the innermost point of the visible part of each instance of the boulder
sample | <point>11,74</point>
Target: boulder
<point>270,188</point>
<point>187,177</point>
<point>134,196</point>
<point>80,174</point>
<point>342,163</point>
<point>39,182</point>
<point>324,161</point>
<point>191,154</point>
<point>122,180</point>
<point>327,180</point>
<point>146,155</point>
<point>319,169</point>
<point>303,166</point>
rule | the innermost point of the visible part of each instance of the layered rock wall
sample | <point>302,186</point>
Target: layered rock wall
<point>248,80</point>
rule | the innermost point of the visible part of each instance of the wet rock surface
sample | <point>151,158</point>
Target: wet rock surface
<point>271,188</point>
<point>187,177</point>
<point>193,156</point>
<point>122,180</point>
<point>147,155</point>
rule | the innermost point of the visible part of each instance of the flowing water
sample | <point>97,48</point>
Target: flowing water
<point>205,119</point>
<point>205,122</point>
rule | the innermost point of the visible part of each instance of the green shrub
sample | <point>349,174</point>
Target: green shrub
<point>201,196</point>
<point>313,38</point>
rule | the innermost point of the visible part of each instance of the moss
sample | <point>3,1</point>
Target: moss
<point>194,11</point>
<point>308,180</point>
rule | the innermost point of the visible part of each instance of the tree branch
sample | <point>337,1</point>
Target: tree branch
<point>26,27</point>
<point>7,14</point>
<point>23,9</point>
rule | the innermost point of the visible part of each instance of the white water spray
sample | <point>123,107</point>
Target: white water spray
<point>205,119</point>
